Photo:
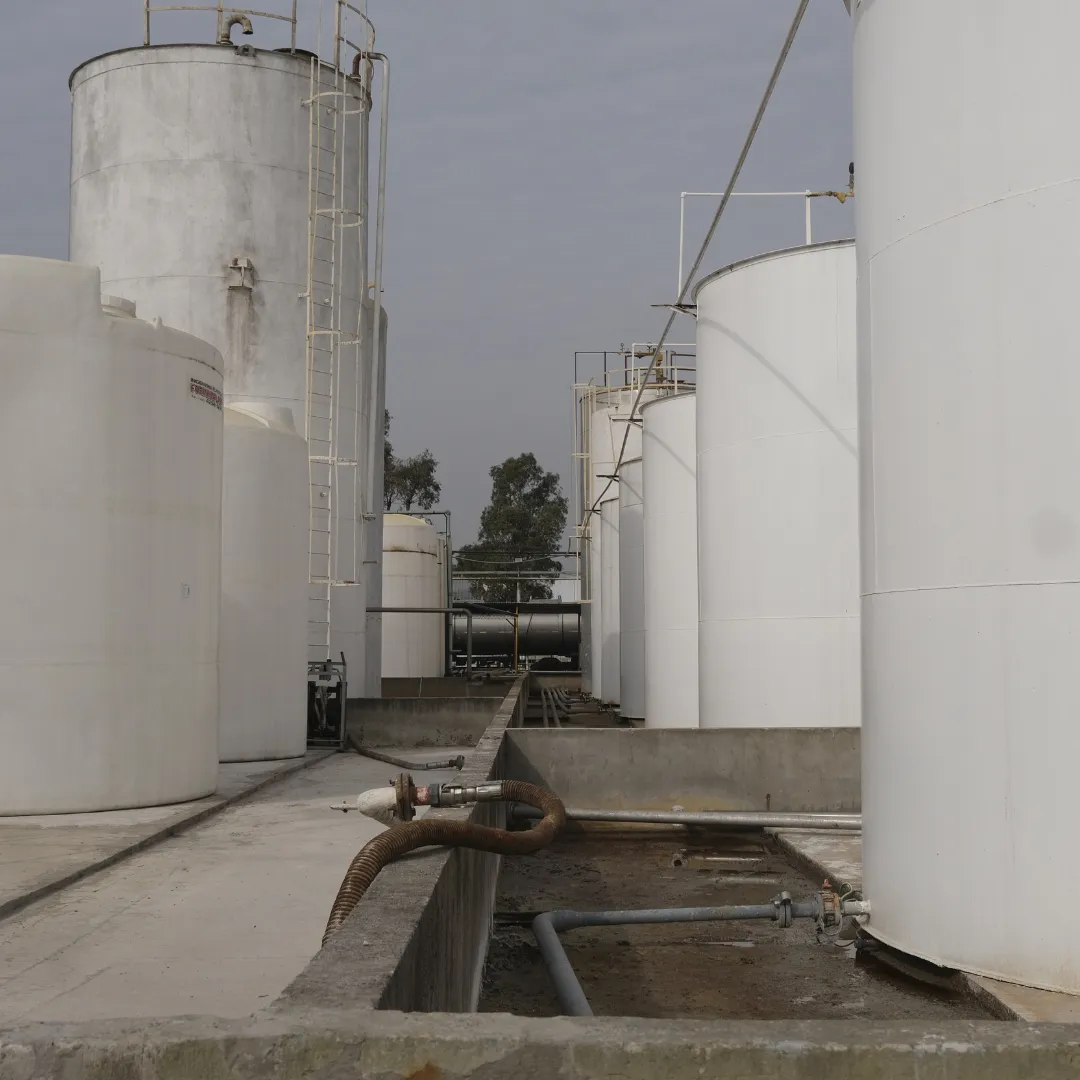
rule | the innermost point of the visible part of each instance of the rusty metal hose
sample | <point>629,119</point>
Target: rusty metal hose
<point>401,839</point>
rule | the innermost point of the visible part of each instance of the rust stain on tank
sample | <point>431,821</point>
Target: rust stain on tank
<point>428,1072</point>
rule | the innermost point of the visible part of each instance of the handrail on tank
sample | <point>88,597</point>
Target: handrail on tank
<point>222,12</point>
<point>340,38</point>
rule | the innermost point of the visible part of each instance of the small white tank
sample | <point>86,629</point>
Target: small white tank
<point>264,577</point>
<point>778,524</point>
<point>669,471</point>
<point>413,576</point>
<point>110,550</point>
<point>631,592</point>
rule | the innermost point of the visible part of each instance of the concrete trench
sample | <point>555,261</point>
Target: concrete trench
<point>393,992</point>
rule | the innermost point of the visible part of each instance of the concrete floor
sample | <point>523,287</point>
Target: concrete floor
<point>217,920</point>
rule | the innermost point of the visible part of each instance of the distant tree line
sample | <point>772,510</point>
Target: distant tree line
<point>408,482</point>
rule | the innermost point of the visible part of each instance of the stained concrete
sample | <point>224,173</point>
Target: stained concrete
<point>41,854</point>
<point>356,1043</point>
<point>447,686</point>
<point>699,769</point>
<point>217,920</point>
<point>452,721</point>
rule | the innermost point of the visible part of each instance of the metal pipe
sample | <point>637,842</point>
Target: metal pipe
<point>437,611</point>
<point>722,819</point>
<point>402,763</point>
<point>380,217</point>
<point>547,926</point>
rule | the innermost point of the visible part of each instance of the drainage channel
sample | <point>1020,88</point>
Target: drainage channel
<point>698,970</point>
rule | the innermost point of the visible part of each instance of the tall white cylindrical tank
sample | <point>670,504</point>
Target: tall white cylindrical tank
<point>264,586</point>
<point>968,209</point>
<point>413,576</point>
<point>609,423</point>
<point>191,172</point>
<point>610,651</point>
<point>110,528</point>
<point>631,592</point>
<point>777,486</point>
<point>373,545</point>
<point>669,469</point>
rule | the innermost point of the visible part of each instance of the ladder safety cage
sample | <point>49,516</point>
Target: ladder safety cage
<point>338,347</point>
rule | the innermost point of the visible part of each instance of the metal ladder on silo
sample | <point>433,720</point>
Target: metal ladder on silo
<point>332,469</point>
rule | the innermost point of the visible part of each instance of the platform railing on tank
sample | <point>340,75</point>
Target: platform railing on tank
<point>674,372</point>
<point>225,15</point>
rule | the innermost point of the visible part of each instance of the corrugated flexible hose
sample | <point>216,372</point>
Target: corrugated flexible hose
<point>401,839</point>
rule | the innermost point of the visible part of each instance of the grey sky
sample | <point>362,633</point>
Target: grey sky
<point>537,152</point>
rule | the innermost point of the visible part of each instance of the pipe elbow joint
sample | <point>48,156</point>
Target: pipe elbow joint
<point>235,19</point>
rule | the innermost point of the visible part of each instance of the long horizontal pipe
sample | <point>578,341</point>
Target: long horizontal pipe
<point>546,929</point>
<point>729,819</point>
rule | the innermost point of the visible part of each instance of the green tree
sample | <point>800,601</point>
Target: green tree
<point>408,482</point>
<point>526,515</point>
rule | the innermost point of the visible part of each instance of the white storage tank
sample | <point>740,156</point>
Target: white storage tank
<point>610,412</point>
<point>669,469</point>
<point>264,586</point>
<point>968,221</point>
<point>191,176</point>
<point>777,483</point>
<point>631,592</point>
<point>610,625</point>
<point>110,528</point>
<point>413,576</point>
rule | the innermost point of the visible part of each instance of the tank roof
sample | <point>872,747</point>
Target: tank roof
<point>767,256</point>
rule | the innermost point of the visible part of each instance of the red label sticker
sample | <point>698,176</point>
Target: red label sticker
<point>205,392</point>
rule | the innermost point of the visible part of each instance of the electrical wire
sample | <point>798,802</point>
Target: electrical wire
<point>773,79</point>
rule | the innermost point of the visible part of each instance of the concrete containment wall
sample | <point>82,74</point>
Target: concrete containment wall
<point>455,721</point>
<point>446,687</point>
<point>418,940</point>
<point>699,769</point>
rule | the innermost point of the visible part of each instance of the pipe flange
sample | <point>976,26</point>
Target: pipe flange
<point>405,790</point>
<point>782,903</point>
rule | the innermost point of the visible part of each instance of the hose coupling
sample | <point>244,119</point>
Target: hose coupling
<point>464,794</point>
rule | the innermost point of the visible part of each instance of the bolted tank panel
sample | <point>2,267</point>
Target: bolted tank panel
<point>264,586</point>
<point>968,221</point>
<point>192,171</point>
<point>631,592</point>
<point>777,482</point>
<point>413,576</point>
<point>110,527</point>
<point>669,472</point>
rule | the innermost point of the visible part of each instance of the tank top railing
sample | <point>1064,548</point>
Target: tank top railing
<point>225,15</point>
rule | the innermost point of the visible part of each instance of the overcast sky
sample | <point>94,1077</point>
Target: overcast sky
<point>537,152</point>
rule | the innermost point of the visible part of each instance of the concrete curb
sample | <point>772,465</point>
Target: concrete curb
<point>205,809</point>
